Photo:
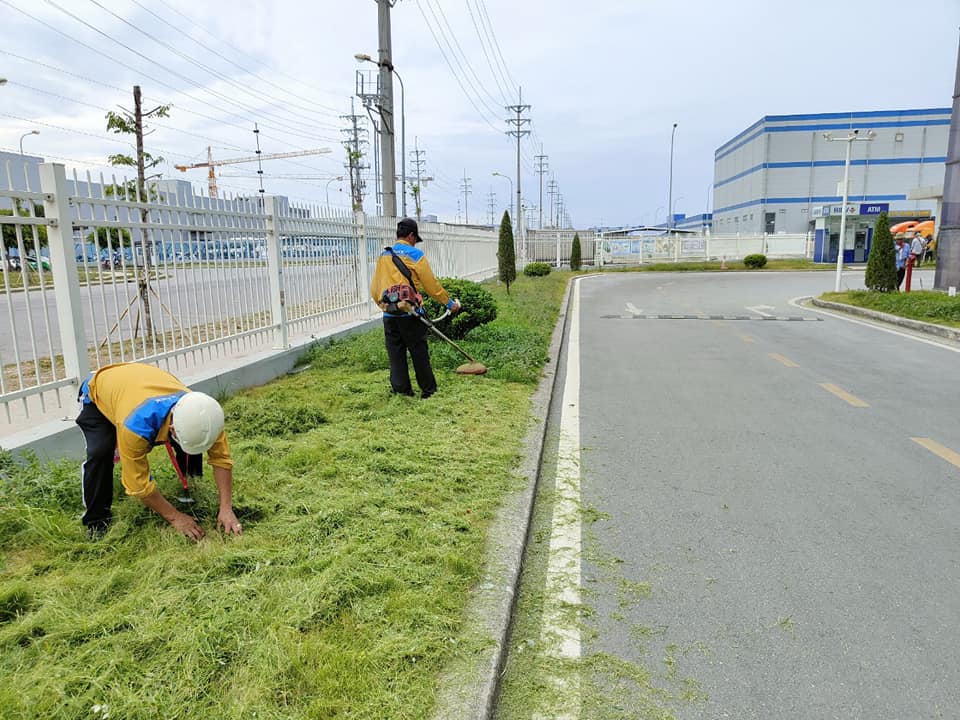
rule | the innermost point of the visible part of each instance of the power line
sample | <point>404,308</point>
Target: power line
<point>491,65</point>
<point>483,7</point>
<point>328,110</point>
<point>237,50</point>
<point>202,66</point>
<point>113,62</point>
<point>449,65</point>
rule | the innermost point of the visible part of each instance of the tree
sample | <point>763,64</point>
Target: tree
<point>131,123</point>
<point>881,275</point>
<point>506,254</point>
<point>576,260</point>
<point>9,231</point>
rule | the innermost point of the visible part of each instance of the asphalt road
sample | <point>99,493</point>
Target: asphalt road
<point>193,296</point>
<point>772,541</point>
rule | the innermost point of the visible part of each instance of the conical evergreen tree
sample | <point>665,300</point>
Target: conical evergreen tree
<point>881,275</point>
<point>576,260</point>
<point>506,254</point>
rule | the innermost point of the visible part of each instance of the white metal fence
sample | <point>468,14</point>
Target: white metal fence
<point>553,246</point>
<point>618,250</point>
<point>93,274</point>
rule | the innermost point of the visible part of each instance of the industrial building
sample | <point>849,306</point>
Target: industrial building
<point>784,173</point>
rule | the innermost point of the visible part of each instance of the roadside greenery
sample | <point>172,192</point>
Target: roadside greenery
<point>881,274</point>
<point>365,516</point>
<point>576,260</point>
<point>536,269</point>
<point>506,253</point>
<point>925,305</point>
<point>755,261</point>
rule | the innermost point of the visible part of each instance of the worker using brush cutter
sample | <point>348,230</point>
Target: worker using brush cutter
<point>401,269</point>
<point>131,408</point>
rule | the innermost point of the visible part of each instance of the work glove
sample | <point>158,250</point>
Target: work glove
<point>454,306</point>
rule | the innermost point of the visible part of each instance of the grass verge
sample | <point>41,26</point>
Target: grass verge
<point>365,517</point>
<point>925,305</point>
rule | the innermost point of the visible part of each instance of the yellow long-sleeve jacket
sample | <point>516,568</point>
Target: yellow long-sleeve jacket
<point>387,274</point>
<point>138,399</point>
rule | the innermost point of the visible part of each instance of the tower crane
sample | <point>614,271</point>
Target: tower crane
<point>211,163</point>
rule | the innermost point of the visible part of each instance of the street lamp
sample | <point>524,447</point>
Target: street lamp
<point>849,140</point>
<point>510,180</point>
<point>32,132</point>
<point>327,188</point>
<point>3,81</point>
<point>363,57</point>
<point>670,194</point>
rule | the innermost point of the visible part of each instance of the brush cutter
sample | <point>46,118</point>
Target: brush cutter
<point>471,368</point>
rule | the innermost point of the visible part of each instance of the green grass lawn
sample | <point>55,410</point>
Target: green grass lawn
<point>925,305</point>
<point>365,516</point>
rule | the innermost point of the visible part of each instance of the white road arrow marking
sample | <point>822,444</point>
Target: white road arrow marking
<point>759,309</point>
<point>634,310</point>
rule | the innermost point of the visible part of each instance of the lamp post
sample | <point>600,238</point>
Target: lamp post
<point>32,132</point>
<point>849,140</point>
<point>509,180</point>
<point>670,192</point>
<point>327,188</point>
<point>363,57</point>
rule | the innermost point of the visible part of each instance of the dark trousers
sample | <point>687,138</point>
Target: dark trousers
<point>405,335</point>
<point>101,438</point>
<point>900,273</point>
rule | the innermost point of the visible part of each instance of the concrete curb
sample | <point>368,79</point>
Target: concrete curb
<point>924,327</point>
<point>468,688</point>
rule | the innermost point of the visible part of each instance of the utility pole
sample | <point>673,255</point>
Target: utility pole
<point>467,191</point>
<point>518,132</point>
<point>492,206</point>
<point>418,162</point>
<point>542,167</point>
<point>388,171</point>
<point>552,190</point>
<point>355,166</point>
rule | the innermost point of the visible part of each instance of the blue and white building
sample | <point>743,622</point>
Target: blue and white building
<point>781,175</point>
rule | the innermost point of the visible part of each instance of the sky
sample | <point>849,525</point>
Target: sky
<point>606,80</point>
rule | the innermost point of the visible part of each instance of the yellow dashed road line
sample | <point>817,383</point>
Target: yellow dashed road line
<point>844,395</point>
<point>939,450</point>
<point>783,360</point>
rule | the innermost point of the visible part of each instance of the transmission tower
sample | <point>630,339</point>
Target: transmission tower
<point>552,190</point>
<point>542,167</point>
<point>418,163</point>
<point>517,124</point>
<point>467,191</point>
<point>492,205</point>
<point>355,146</point>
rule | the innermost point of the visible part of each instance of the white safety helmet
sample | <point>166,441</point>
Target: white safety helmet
<point>197,421</point>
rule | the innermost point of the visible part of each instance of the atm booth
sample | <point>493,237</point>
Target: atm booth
<point>861,218</point>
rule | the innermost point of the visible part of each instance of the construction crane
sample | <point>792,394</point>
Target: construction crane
<point>211,163</point>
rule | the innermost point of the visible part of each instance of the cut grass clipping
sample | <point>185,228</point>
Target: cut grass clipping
<point>364,514</point>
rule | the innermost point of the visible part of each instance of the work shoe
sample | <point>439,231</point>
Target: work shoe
<point>97,530</point>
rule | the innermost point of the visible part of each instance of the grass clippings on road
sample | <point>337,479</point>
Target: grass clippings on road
<point>924,305</point>
<point>365,516</point>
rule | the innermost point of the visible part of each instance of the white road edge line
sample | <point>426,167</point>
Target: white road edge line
<point>839,316</point>
<point>560,635</point>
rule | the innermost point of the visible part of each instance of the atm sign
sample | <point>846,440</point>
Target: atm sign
<point>874,208</point>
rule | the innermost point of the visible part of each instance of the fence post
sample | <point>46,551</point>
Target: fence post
<point>363,257</point>
<point>278,299</point>
<point>558,248</point>
<point>66,280</point>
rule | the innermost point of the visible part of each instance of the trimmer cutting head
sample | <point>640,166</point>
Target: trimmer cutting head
<point>472,368</point>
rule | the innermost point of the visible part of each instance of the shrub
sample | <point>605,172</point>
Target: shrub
<point>479,307</point>
<point>536,269</point>
<point>881,275</point>
<point>506,254</point>
<point>755,261</point>
<point>576,259</point>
